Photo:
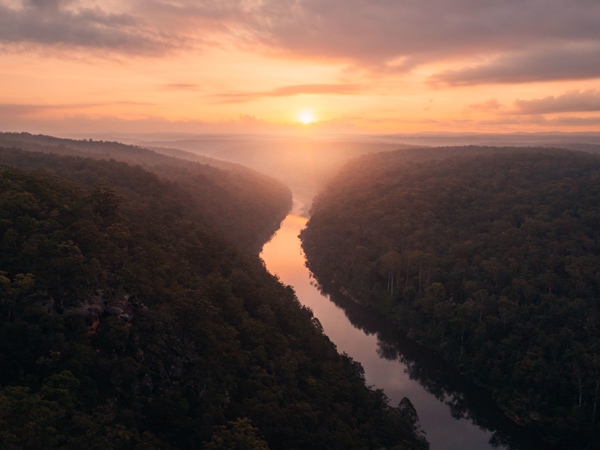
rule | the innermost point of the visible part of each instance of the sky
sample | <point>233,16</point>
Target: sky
<point>345,66</point>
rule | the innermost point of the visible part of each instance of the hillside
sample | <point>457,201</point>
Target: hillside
<point>488,256</point>
<point>129,320</point>
<point>245,204</point>
<point>302,163</point>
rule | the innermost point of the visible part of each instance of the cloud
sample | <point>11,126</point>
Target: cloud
<point>286,91</point>
<point>400,35</point>
<point>247,119</point>
<point>180,87</point>
<point>540,122</point>
<point>8,110</point>
<point>575,121</point>
<point>571,101</point>
<point>489,105</point>
<point>64,24</point>
<point>526,40</point>
<point>546,64</point>
<point>289,91</point>
<point>84,124</point>
<point>46,4</point>
<point>24,110</point>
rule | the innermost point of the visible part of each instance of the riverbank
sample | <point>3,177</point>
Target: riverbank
<point>453,415</point>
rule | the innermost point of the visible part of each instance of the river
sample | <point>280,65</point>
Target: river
<point>454,414</point>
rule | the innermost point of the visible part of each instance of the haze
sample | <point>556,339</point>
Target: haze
<point>486,256</point>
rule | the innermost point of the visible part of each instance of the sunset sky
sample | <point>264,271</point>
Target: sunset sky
<point>351,66</point>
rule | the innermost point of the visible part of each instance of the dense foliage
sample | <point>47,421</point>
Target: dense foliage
<point>128,321</point>
<point>242,203</point>
<point>489,256</point>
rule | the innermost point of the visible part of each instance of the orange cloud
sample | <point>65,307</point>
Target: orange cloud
<point>378,35</point>
<point>288,91</point>
<point>490,105</point>
<point>571,101</point>
<point>546,64</point>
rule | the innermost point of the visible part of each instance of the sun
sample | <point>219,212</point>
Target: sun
<point>306,117</point>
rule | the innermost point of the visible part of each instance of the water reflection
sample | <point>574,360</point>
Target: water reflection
<point>464,400</point>
<point>454,414</point>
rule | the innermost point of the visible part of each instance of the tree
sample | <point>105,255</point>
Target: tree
<point>237,434</point>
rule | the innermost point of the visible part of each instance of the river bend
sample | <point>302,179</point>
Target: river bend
<point>453,414</point>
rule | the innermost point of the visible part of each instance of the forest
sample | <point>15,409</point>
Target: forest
<point>488,256</point>
<point>227,193</point>
<point>136,314</point>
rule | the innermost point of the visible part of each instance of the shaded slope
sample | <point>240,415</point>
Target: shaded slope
<point>246,205</point>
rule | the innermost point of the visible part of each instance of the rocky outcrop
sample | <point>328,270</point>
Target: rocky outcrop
<point>98,307</point>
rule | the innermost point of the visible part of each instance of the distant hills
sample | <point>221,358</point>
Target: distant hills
<point>307,163</point>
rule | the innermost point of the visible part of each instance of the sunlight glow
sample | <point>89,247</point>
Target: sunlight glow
<point>306,117</point>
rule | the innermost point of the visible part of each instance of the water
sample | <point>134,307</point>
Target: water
<point>454,414</point>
